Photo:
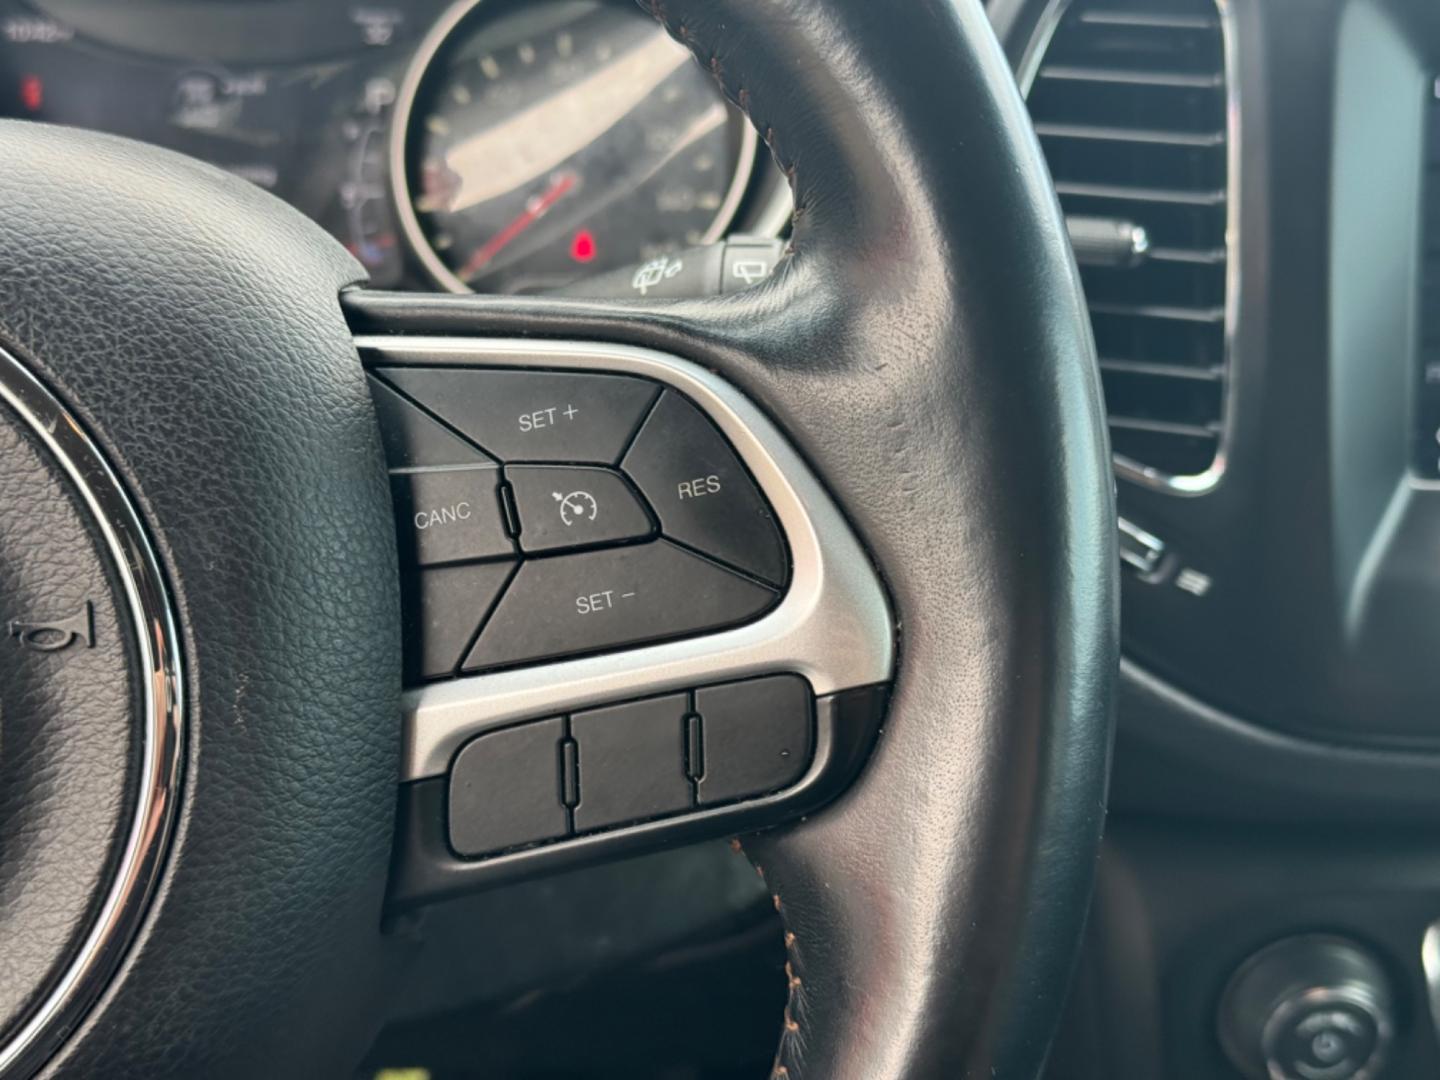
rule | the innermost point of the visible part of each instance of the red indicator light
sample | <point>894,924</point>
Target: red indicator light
<point>32,92</point>
<point>582,246</point>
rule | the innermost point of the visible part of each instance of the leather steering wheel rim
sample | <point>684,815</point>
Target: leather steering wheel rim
<point>924,345</point>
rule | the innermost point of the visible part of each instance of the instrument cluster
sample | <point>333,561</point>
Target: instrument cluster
<point>490,145</point>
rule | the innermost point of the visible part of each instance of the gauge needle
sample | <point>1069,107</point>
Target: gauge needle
<point>524,146</point>
<point>535,209</point>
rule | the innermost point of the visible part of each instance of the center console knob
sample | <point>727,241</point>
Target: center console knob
<point>1313,1007</point>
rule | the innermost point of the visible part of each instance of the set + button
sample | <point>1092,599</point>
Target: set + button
<point>523,415</point>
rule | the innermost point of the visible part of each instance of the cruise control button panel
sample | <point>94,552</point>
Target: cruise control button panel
<point>606,510</point>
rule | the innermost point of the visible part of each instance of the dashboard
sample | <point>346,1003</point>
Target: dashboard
<point>500,147</point>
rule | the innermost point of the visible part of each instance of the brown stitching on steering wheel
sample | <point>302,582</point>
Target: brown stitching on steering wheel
<point>790,1028</point>
<point>739,95</point>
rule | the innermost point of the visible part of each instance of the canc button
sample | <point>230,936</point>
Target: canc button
<point>702,493</point>
<point>450,515</point>
<point>604,599</point>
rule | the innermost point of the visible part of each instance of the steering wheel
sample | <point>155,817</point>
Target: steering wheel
<point>202,695</point>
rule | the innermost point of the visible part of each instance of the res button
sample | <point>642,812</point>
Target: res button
<point>702,493</point>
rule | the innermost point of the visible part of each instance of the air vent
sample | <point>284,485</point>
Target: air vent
<point>1130,102</point>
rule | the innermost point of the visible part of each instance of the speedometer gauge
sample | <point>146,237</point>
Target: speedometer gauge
<point>536,144</point>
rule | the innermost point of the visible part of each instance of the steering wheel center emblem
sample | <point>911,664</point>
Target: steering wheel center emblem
<point>578,506</point>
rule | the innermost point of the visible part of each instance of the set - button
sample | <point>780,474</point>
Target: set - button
<point>605,599</point>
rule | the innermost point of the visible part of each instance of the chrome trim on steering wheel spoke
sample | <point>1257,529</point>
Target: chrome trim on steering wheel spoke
<point>833,626</point>
<point>156,643</point>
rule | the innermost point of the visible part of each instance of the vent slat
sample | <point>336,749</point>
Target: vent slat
<point>1130,105</point>
<point>1177,79</point>
<point>1098,133</point>
<point>1141,194</point>
<point>1203,256</point>
<point>1161,311</point>
<point>1149,19</point>
<point>1164,427</point>
<point>1161,370</point>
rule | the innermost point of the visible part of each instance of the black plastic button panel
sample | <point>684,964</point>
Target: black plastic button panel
<point>622,764</point>
<point>547,514</point>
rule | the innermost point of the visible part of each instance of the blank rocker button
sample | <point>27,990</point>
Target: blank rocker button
<point>443,609</point>
<point>450,515</point>
<point>631,762</point>
<point>758,737</point>
<point>505,789</point>
<point>564,507</point>
<point>414,440</point>
<point>595,600</point>
<point>702,493</point>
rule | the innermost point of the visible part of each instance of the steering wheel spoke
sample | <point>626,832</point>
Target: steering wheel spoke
<point>751,585</point>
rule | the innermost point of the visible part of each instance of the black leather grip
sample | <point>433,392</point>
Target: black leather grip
<point>191,321</point>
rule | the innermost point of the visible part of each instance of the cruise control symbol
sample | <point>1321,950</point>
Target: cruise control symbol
<point>576,506</point>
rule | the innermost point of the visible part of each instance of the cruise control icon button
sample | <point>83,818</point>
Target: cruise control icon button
<point>561,507</point>
<point>533,415</point>
<point>605,599</point>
